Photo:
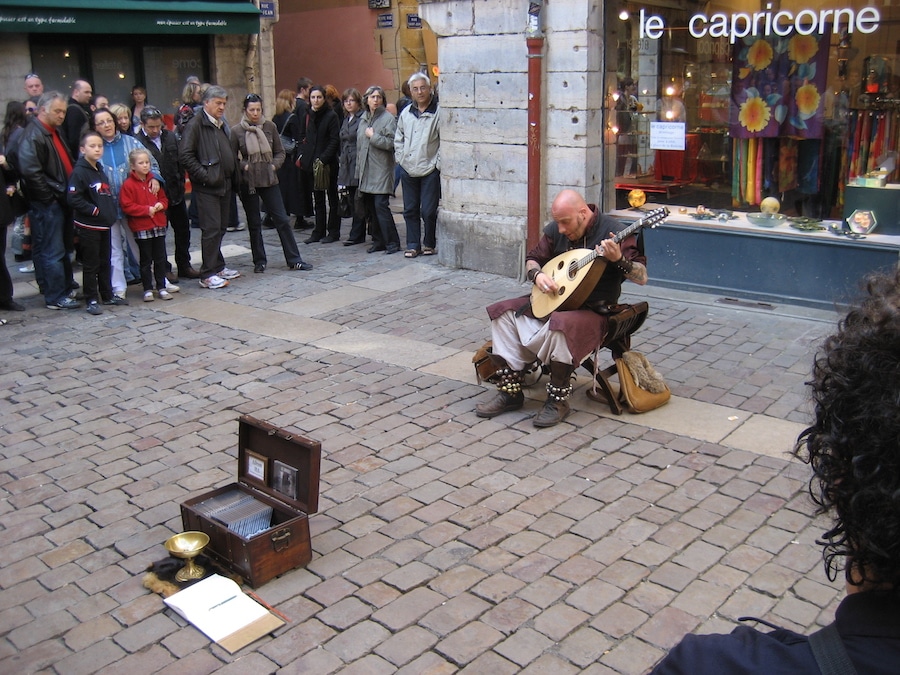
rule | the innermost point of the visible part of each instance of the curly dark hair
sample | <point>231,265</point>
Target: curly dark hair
<point>853,447</point>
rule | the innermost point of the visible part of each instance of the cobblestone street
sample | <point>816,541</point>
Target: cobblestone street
<point>443,542</point>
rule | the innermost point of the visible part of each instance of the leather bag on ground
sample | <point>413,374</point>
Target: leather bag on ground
<point>641,388</point>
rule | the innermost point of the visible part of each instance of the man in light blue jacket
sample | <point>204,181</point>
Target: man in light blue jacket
<point>417,146</point>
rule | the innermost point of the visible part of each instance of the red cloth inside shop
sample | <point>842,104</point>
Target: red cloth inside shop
<point>678,165</point>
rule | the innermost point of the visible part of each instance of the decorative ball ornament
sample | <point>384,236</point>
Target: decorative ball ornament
<point>769,205</point>
<point>637,198</point>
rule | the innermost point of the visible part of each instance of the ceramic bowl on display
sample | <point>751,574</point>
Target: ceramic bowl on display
<point>766,219</point>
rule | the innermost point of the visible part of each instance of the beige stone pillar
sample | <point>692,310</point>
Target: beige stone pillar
<point>483,95</point>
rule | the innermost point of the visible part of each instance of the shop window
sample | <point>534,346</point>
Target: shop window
<point>700,110</point>
<point>172,66</point>
<point>58,63</point>
<point>114,72</point>
<point>114,64</point>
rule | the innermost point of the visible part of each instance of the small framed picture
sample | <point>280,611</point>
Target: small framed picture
<point>256,466</point>
<point>862,222</point>
<point>284,479</point>
<point>379,4</point>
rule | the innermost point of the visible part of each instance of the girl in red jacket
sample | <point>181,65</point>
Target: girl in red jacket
<point>146,214</point>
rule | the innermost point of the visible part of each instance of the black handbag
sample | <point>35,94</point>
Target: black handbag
<point>289,143</point>
<point>345,208</point>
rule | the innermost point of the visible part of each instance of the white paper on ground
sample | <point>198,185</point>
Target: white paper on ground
<point>217,607</point>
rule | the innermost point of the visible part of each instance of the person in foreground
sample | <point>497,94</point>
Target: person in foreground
<point>853,450</point>
<point>567,337</point>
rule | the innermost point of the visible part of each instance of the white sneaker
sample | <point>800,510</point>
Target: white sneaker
<point>27,269</point>
<point>172,288</point>
<point>148,296</point>
<point>165,295</point>
<point>215,281</point>
<point>229,274</point>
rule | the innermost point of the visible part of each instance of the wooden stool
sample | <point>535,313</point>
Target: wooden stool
<point>621,325</point>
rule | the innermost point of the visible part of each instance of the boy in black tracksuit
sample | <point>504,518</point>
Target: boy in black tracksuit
<point>94,210</point>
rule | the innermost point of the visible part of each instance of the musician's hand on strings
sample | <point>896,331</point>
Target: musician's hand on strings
<point>546,284</point>
<point>609,249</point>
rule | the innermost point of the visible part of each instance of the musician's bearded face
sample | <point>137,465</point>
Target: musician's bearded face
<point>572,223</point>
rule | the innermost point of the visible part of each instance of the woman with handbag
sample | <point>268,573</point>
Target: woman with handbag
<point>318,150</point>
<point>13,128</point>
<point>375,170</point>
<point>257,144</point>
<point>6,218</point>
<point>283,120</point>
<point>347,180</point>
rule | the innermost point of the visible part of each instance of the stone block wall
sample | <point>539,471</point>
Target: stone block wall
<point>15,63</point>
<point>484,99</point>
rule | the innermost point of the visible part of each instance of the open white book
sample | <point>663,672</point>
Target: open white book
<point>223,612</point>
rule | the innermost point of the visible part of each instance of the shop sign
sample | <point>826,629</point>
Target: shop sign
<point>765,24</point>
<point>667,135</point>
<point>152,16</point>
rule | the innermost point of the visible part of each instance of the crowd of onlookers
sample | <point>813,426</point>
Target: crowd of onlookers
<point>100,184</point>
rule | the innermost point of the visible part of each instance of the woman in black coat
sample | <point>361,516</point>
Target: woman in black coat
<point>287,174</point>
<point>7,188</point>
<point>347,173</point>
<point>320,140</point>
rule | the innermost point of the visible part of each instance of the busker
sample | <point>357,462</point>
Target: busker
<point>567,337</point>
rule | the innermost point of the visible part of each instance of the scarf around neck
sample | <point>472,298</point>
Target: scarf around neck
<point>258,147</point>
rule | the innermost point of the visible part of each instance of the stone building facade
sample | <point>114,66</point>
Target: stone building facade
<point>484,135</point>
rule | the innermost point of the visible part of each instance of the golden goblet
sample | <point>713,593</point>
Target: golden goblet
<point>187,546</point>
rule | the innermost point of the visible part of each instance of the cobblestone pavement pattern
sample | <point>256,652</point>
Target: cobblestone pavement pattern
<point>444,543</point>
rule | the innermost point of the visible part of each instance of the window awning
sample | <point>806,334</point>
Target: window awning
<point>195,17</point>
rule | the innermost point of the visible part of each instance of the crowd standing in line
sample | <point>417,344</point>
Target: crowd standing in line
<point>44,165</point>
<point>122,115</point>
<point>116,148</point>
<point>347,177</point>
<point>323,156</point>
<point>163,146</point>
<point>94,211</point>
<point>209,159</point>
<point>375,170</point>
<point>78,113</point>
<point>139,100</point>
<point>259,151</point>
<point>319,148</point>
<point>297,130</point>
<point>417,151</point>
<point>13,128</point>
<point>287,173</point>
<point>144,208</point>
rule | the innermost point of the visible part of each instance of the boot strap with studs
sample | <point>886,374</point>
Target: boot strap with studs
<point>558,393</point>
<point>509,381</point>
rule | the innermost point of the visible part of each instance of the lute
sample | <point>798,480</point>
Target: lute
<point>577,272</point>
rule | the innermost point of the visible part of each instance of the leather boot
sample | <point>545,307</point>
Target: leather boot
<point>556,407</point>
<point>509,394</point>
<point>188,272</point>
